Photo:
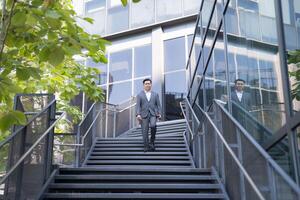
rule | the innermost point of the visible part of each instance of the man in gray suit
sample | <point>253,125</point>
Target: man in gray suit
<point>148,109</point>
<point>241,102</point>
<point>239,96</point>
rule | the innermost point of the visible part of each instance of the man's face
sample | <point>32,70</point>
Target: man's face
<point>147,85</point>
<point>239,86</point>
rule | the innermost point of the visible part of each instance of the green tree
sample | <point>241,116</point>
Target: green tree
<point>38,42</point>
<point>294,58</point>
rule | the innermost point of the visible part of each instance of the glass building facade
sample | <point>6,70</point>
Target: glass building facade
<point>249,40</point>
<point>150,39</point>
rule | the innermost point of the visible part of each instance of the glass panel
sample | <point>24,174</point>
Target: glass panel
<point>98,25</point>
<point>206,11</point>
<point>103,70</point>
<point>168,9</point>
<point>253,57</point>
<point>209,91</point>
<point>175,91</point>
<point>191,6</point>
<point>117,17</point>
<point>120,65</point>
<point>280,153</point>
<point>174,54</point>
<point>142,13</point>
<point>232,21</point>
<point>247,69</point>
<point>94,5</point>
<point>143,61</point>
<point>119,92</point>
<point>219,63</point>
<point>249,21</point>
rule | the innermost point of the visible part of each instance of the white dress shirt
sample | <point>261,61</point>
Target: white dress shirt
<point>239,95</point>
<point>148,95</point>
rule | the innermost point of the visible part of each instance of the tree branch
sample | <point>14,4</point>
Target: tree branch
<point>6,21</point>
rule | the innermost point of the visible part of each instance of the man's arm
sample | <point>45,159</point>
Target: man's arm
<point>138,105</point>
<point>158,104</point>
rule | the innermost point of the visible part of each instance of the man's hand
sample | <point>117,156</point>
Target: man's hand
<point>138,117</point>
<point>158,116</point>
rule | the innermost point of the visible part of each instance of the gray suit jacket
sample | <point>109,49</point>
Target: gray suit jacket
<point>145,107</point>
<point>245,102</point>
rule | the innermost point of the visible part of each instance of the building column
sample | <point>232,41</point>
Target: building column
<point>158,65</point>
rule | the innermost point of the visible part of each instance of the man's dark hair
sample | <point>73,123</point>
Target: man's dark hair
<point>147,79</point>
<point>239,80</point>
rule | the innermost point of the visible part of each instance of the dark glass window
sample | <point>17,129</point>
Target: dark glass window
<point>175,91</point>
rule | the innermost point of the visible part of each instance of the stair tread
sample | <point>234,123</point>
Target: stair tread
<point>136,177</point>
<point>136,195</point>
<point>110,157</point>
<point>134,185</point>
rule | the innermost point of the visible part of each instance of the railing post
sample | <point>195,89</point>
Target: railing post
<point>77,148</point>
<point>115,122</point>
<point>49,142</point>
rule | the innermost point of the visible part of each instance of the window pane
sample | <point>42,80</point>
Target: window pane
<point>191,6</point>
<point>94,5</point>
<point>175,91</point>
<point>120,65</point>
<point>268,78</point>
<point>143,61</point>
<point>249,24</point>
<point>231,21</point>
<point>247,69</point>
<point>118,17</point>
<point>103,70</point>
<point>219,62</point>
<point>142,13</point>
<point>174,54</point>
<point>119,92</point>
<point>98,25</point>
<point>168,9</point>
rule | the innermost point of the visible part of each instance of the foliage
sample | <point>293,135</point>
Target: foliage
<point>294,58</point>
<point>38,42</point>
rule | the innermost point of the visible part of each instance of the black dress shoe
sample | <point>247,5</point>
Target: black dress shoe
<point>146,149</point>
<point>152,147</point>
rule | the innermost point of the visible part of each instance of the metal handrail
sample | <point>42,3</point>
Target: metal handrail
<point>119,111</point>
<point>243,170</point>
<point>10,137</point>
<point>31,149</point>
<point>86,133</point>
<point>268,158</point>
<point>186,120</point>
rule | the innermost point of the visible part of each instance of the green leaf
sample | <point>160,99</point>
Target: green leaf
<point>12,118</point>
<point>19,18</point>
<point>31,20</point>
<point>23,73</point>
<point>124,2</point>
<point>52,14</point>
<point>56,56</point>
<point>90,20</point>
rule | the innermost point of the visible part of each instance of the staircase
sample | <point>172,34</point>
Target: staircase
<point>117,168</point>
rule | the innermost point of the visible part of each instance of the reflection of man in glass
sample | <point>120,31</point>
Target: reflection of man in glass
<point>148,109</point>
<point>241,102</point>
<point>239,96</point>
